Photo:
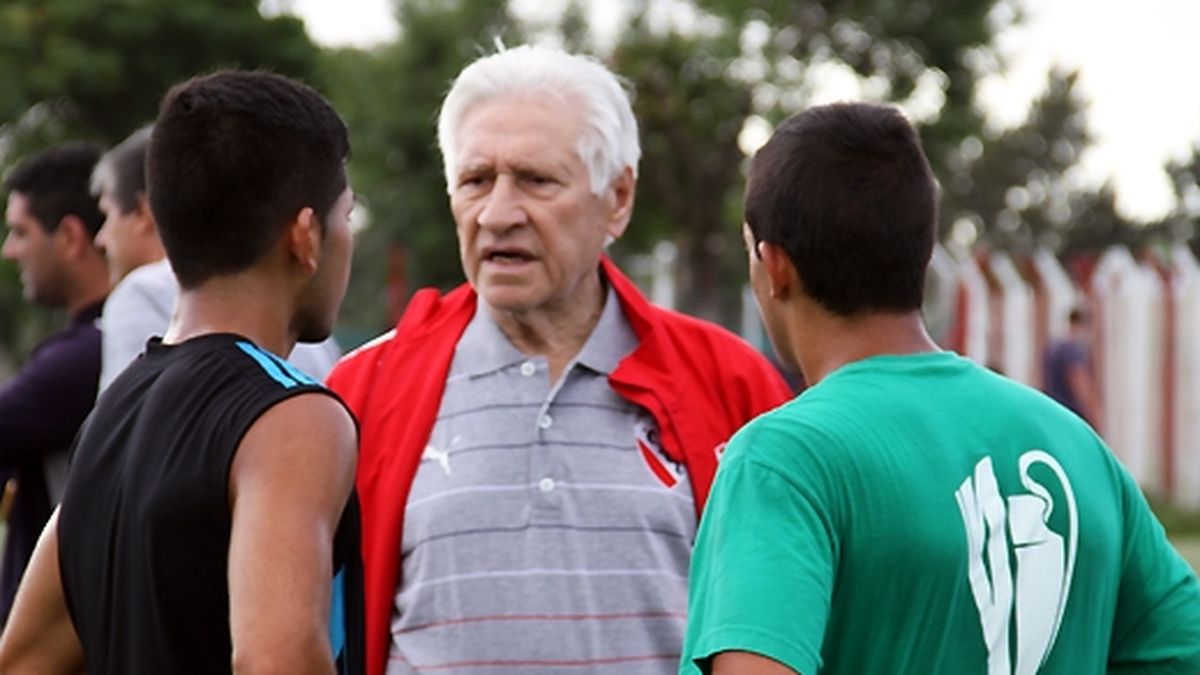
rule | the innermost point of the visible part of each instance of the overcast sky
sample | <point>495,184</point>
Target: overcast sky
<point>1134,61</point>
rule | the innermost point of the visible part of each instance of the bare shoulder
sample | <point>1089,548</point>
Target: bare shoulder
<point>308,437</point>
<point>305,419</point>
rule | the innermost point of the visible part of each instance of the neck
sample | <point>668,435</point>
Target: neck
<point>88,287</point>
<point>557,333</point>
<point>246,304</point>
<point>829,342</point>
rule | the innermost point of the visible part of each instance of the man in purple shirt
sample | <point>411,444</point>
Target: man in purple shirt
<point>52,221</point>
<point>1069,372</point>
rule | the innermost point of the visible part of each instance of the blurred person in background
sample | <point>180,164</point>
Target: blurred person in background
<point>1068,368</point>
<point>52,221</point>
<point>144,290</point>
<point>538,443</point>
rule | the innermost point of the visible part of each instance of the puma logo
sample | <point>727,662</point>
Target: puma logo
<point>442,457</point>
<point>1037,590</point>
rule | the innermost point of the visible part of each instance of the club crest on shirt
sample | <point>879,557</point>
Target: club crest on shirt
<point>649,445</point>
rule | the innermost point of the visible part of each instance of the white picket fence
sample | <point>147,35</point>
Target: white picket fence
<point>1001,312</point>
<point>1146,335</point>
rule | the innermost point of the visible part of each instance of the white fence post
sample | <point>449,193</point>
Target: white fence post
<point>1131,300</point>
<point>976,314</point>
<point>1185,282</point>
<point>1016,323</point>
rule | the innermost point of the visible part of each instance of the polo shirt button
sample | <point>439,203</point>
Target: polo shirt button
<point>528,369</point>
<point>545,422</point>
<point>546,484</point>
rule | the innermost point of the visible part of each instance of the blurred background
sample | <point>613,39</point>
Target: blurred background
<point>1063,132</point>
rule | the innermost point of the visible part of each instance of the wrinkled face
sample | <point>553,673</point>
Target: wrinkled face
<point>36,252</point>
<point>767,308</point>
<point>324,295</point>
<point>530,231</point>
<point>120,237</point>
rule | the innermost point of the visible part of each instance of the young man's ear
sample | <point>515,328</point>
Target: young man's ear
<point>782,279</point>
<point>304,239</point>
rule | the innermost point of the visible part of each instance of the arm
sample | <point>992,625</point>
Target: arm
<point>745,663</point>
<point>1156,627</point>
<point>738,575</point>
<point>40,637</point>
<point>289,482</point>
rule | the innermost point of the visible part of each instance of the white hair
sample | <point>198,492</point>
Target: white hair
<point>609,140</point>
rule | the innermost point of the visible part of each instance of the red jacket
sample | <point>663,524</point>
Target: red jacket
<point>699,381</point>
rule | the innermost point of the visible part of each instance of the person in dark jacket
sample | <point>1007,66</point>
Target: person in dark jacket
<point>52,220</point>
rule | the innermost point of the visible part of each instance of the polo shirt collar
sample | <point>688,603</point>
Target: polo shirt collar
<point>483,347</point>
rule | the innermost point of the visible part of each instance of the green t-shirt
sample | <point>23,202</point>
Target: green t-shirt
<point>920,514</point>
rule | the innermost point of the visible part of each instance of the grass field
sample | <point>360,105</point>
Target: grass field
<point>1183,528</point>
<point>1189,546</point>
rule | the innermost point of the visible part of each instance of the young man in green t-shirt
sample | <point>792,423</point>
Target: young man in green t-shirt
<point>911,512</point>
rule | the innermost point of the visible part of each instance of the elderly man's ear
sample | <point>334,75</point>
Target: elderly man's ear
<point>620,195</point>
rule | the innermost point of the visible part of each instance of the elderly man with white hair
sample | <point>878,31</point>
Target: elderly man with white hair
<point>537,444</point>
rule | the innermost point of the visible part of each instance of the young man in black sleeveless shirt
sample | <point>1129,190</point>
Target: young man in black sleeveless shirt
<point>210,500</point>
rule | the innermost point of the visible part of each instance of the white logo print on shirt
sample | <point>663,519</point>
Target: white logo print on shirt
<point>1045,562</point>
<point>442,457</point>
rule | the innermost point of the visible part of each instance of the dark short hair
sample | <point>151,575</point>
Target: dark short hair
<point>55,181</point>
<point>233,157</point>
<point>121,172</point>
<point>847,192</point>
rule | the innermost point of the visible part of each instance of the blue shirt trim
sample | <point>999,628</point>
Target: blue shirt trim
<point>268,364</point>
<point>337,614</point>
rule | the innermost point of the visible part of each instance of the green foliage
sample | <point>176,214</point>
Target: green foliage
<point>1018,189</point>
<point>97,68</point>
<point>1185,178</point>
<point>894,43</point>
<point>690,110</point>
<point>1014,186</point>
<point>696,90</point>
<point>105,64</point>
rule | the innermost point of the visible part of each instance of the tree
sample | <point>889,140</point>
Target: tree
<point>1014,188</point>
<point>690,111</point>
<point>1020,188</point>
<point>1185,178</point>
<point>697,88</point>
<point>900,48</point>
<point>100,67</point>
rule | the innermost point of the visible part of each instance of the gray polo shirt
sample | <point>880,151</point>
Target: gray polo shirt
<point>545,530</point>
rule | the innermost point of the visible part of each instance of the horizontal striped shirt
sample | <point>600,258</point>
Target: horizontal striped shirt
<point>545,530</point>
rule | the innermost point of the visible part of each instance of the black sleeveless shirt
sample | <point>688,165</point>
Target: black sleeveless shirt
<point>145,521</point>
